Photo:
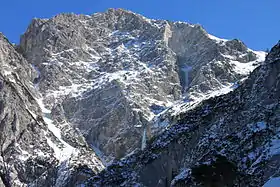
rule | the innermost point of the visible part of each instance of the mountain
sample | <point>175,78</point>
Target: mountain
<point>229,140</point>
<point>110,74</point>
<point>33,151</point>
<point>154,102</point>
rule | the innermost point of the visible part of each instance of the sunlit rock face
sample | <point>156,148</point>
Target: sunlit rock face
<point>111,75</point>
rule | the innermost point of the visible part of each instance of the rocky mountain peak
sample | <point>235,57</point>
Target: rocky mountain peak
<point>98,65</point>
<point>116,85</point>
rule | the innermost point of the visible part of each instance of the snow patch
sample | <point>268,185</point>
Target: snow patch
<point>42,106</point>
<point>259,126</point>
<point>184,106</point>
<point>182,175</point>
<point>67,151</point>
<point>274,148</point>
<point>24,154</point>
<point>260,55</point>
<point>218,40</point>
<point>243,68</point>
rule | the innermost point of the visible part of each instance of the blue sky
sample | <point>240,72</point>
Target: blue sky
<point>256,22</point>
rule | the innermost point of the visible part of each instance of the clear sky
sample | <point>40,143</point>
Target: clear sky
<point>255,22</point>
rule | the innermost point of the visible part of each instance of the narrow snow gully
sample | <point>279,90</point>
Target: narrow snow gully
<point>64,153</point>
<point>62,150</point>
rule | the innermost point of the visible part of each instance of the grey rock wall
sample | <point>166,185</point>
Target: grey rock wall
<point>112,73</point>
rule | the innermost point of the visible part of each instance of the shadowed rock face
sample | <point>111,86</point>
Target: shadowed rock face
<point>105,74</point>
<point>230,140</point>
<point>21,132</point>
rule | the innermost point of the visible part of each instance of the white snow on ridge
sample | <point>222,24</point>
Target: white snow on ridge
<point>260,55</point>
<point>218,40</point>
<point>243,68</point>
<point>181,107</point>
<point>247,68</point>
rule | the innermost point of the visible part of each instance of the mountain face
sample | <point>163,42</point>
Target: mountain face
<point>110,75</point>
<point>80,92</point>
<point>17,122</point>
<point>229,140</point>
<point>33,152</point>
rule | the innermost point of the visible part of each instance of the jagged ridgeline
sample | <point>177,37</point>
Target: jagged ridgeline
<point>81,92</point>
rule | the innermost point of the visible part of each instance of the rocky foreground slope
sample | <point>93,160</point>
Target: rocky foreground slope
<point>230,140</point>
<point>110,74</point>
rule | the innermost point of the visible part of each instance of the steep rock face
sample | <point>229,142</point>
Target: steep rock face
<point>21,133</point>
<point>110,74</point>
<point>32,151</point>
<point>230,140</point>
<point>212,62</point>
